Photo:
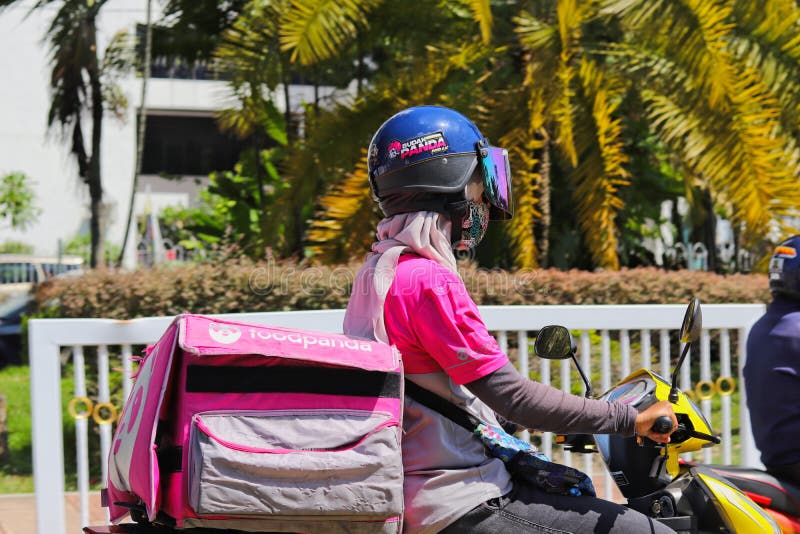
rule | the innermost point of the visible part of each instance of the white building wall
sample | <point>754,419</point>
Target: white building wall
<point>24,143</point>
<point>27,146</point>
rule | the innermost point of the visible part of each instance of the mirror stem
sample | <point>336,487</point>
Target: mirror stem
<point>583,376</point>
<point>673,392</point>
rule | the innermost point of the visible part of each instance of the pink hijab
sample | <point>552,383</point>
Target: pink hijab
<point>424,233</point>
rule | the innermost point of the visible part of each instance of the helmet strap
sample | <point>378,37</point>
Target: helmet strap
<point>409,203</point>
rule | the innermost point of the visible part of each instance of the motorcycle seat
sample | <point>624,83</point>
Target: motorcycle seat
<point>783,496</point>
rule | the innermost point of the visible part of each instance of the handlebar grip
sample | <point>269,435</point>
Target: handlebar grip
<point>662,425</point>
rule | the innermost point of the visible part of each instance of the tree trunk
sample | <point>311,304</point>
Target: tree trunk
<point>137,168</point>
<point>296,248</point>
<point>264,217</point>
<point>544,206</point>
<point>287,113</point>
<point>710,231</point>
<point>94,177</point>
<point>316,100</point>
<point>293,238</point>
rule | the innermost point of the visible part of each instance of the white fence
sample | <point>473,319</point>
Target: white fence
<point>612,341</point>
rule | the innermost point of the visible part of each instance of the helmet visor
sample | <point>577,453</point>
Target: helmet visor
<point>497,180</point>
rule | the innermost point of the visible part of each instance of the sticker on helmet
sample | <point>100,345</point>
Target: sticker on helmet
<point>432,143</point>
<point>394,149</point>
<point>785,252</point>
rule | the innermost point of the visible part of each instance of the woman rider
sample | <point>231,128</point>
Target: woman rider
<point>438,182</point>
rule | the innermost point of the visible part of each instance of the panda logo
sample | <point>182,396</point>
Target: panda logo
<point>223,333</point>
<point>394,149</point>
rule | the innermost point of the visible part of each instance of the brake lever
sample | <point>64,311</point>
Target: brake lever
<point>701,435</point>
<point>663,424</point>
<point>682,433</point>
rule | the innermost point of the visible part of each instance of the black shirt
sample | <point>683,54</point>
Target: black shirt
<point>772,382</point>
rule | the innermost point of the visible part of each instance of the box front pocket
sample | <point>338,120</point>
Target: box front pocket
<point>300,463</point>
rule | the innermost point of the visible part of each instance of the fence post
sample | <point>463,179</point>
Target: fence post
<point>48,442</point>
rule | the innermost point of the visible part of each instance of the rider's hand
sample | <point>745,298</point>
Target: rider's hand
<point>646,419</point>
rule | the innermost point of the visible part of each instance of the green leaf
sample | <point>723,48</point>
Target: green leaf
<point>315,30</point>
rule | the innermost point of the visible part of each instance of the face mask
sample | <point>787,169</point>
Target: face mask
<point>473,225</point>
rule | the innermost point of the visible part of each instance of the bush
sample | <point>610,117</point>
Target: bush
<point>242,285</point>
<point>645,285</point>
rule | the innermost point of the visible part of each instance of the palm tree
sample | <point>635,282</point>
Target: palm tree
<point>574,102</point>
<point>448,72</point>
<point>716,82</point>
<point>513,107</point>
<point>264,49</point>
<point>272,42</point>
<point>77,87</point>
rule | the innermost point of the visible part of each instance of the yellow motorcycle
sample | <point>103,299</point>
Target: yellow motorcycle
<point>689,499</point>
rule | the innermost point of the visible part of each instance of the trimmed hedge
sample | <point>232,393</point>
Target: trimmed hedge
<point>244,286</point>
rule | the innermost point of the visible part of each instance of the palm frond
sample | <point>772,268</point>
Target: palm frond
<point>572,14</point>
<point>694,34</point>
<point>741,143</point>
<point>345,225</point>
<point>563,113</point>
<point>776,73</point>
<point>522,147</point>
<point>744,158</point>
<point>325,157</point>
<point>315,30</point>
<point>255,114</point>
<point>482,14</point>
<point>554,50</point>
<point>601,171</point>
<point>73,61</point>
<point>536,35</point>
<point>426,79</point>
<point>248,50</point>
<point>505,118</point>
<point>768,40</point>
<point>771,23</point>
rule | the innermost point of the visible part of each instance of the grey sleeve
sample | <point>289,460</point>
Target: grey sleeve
<point>537,406</point>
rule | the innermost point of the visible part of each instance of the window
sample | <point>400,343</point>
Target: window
<point>182,145</point>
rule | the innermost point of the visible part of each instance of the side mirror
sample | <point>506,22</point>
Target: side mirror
<point>690,332</point>
<point>692,322</point>
<point>554,343</point>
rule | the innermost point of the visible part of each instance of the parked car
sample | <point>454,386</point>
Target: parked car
<point>20,272</point>
<point>11,310</point>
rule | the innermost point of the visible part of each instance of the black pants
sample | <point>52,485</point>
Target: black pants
<point>530,510</point>
<point>790,473</point>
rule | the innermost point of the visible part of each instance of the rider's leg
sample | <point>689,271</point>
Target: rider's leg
<point>531,510</point>
<point>790,473</point>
